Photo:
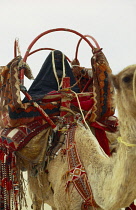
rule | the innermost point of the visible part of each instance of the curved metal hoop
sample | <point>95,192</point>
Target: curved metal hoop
<point>47,32</point>
<point>54,30</point>
<point>41,35</point>
<point>77,48</point>
<point>46,48</point>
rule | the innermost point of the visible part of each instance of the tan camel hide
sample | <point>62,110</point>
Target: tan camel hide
<point>112,179</point>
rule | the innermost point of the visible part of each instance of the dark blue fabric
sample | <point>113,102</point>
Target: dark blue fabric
<point>46,81</point>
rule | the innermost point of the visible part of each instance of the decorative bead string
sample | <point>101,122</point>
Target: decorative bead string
<point>4,185</point>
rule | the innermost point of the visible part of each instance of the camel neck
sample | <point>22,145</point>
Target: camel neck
<point>99,167</point>
<point>127,125</point>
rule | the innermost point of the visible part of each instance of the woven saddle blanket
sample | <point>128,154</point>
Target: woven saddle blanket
<point>16,138</point>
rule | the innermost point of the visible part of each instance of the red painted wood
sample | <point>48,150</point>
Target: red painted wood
<point>41,111</point>
<point>65,102</point>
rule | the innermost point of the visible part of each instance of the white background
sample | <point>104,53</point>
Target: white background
<point>111,22</point>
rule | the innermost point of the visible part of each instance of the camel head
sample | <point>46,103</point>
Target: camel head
<point>125,86</point>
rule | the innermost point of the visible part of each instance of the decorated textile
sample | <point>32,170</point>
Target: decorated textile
<point>83,76</point>
<point>77,171</point>
<point>10,91</point>
<point>13,112</point>
<point>86,103</point>
<point>16,138</point>
<point>102,87</point>
<point>11,141</point>
<point>22,116</point>
<point>9,180</point>
<point>97,80</point>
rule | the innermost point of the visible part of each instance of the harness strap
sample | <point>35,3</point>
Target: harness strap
<point>77,171</point>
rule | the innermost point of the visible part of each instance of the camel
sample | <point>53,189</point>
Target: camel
<point>112,179</point>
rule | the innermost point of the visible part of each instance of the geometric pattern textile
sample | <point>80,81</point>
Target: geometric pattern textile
<point>77,171</point>
<point>16,138</point>
<point>10,90</point>
<point>103,89</point>
<point>11,184</point>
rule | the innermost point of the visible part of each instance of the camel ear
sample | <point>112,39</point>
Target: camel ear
<point>115,81</point>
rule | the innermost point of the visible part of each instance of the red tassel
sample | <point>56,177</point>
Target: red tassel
<point>2,156</point>
<point>101,137</point>
<point>6,184</point>
<point>9,186</point>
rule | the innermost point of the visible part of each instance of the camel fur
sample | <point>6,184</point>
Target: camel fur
<point>112,179</point>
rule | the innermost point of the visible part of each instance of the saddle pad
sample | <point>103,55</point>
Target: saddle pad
<point>16,138</point>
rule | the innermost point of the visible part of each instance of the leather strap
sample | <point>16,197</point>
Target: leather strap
<point>77,171</point>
